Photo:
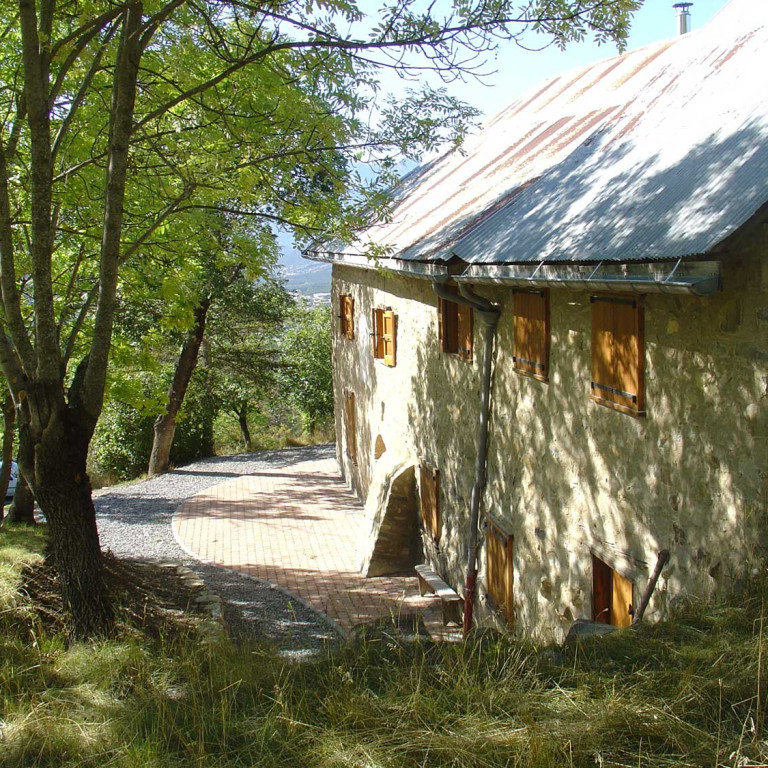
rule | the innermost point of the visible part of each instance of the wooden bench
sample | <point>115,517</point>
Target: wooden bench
<point>451,603</point>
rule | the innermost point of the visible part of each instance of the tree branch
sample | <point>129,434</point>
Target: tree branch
<point>121,121</point>
<point>36,71</point>
<point>8,288</point>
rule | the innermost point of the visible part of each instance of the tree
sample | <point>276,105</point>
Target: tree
<point>308,370</point>
<point>244,353</point>
<point>118,116</point>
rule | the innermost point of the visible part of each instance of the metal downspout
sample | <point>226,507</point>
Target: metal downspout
<point>488,314</point>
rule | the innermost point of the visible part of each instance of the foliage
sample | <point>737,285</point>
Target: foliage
<point>308,372</point>
<point>121,444</point>
<point>688,692</point>
<point>123,438</point>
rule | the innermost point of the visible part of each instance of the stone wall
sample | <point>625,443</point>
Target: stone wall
<point>567,476</point>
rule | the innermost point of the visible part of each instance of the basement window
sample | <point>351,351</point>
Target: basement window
<point>612,595</point>
<point>350,426</point>
<point>347,316</point>
<point>499,574</point>
<point>618,353</point>
<point>455,326</point>
<point>531,333</point>
<point>429,496</point>
<point>384,335</point>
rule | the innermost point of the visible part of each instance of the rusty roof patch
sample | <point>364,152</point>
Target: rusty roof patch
<point>643,64</point>
<point>601,76</point>
<point>733,50</point>
<point>533,98</point>
<point>579,128</point>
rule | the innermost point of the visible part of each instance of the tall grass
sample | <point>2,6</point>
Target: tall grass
<point>685,693</point>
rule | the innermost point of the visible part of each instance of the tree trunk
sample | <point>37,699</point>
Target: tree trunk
<point>9,423</point>
<point>242,420</point>
<point>165,424</point>
<point>55,472</point>
<point>22,509</point>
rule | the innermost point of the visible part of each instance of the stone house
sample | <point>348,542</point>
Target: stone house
<point>563,357</point>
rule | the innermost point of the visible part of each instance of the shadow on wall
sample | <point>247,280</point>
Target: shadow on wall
<point>573,478</point>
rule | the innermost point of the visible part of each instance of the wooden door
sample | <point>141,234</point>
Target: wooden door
<point>612,595</point>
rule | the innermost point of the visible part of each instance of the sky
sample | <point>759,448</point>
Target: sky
<point>518,70</point>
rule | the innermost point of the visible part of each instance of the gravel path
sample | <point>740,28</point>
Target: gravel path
<point>135,522</point>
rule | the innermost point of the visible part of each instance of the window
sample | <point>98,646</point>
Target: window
<point>612,595</point>
<point>455,328</point>
<point>429,489</point>
<point>498,568</point>
<point>618,353</point>
<point>384,322</point>
<point>347,316</point>
<point>531,333</point>
<point>350,425</point>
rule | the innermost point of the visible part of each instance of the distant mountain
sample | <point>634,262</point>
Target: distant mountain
<point>306,277</point>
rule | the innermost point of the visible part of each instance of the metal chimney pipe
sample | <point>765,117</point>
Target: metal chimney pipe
<point>683,18</point>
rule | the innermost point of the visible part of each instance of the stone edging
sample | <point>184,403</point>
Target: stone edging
<point>208,601</point>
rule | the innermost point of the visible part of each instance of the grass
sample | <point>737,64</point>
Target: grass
<point>690,692</point>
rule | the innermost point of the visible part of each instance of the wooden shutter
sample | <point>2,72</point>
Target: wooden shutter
<point>499,571</point>
<point>601,591</point>
<point>531,333</point>
<point>343,315</point>
<point>349,317</point>
<point>350,426</point>
<point>441,324</point>
<point>429,491</point>
<point>618,353</point>
<point>388,337</point>
<point>612,595</point>
<point>378,341</point>
<point>464,335</point>
<point>622,607</point>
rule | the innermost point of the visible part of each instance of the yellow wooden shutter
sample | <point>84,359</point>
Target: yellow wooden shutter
<point>531,333</point>
<point>388,337</point>
<point>349,314</point>
<point>429,488</point>
<point>621,601</point>
<point>464,331</point>
<point>618,352</point>
<point>499,571</point>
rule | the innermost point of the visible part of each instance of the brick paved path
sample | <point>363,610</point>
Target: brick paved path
<point>297,527</point>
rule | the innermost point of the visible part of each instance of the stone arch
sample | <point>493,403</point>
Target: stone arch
<point>397,532</point>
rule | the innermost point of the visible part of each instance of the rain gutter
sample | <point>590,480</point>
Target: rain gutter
<point>695,278</point>
<point>488,315</point>
<point>420,269</point>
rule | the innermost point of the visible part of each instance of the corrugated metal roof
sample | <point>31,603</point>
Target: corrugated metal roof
<point>656,154</point>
